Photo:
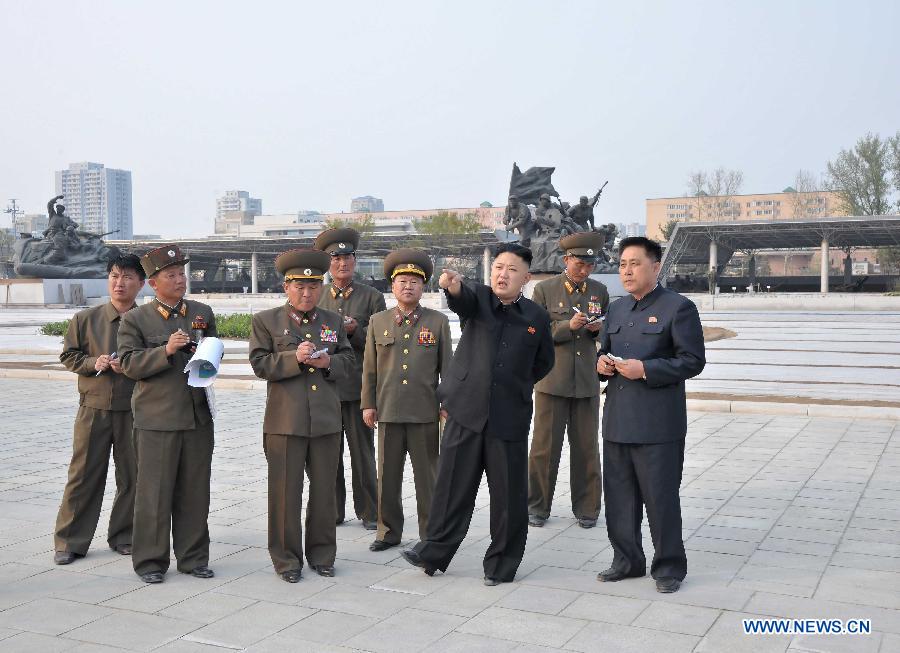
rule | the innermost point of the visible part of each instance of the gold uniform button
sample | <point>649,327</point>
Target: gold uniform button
<point>309,335</point>
<point>406,351</point>
<point>404,382</point>
<point>314,388</point>
<point>578,353</point>
<point>405,366</point>
<point>577,337</point>
<point>305,321</point>
<point>312,369</point>
<point>385,333</point>
<point>406,336</point>
<point>407,321</point>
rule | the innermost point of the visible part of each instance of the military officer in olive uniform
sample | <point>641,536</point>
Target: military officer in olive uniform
<point>303,352</point>
<point>173,427</point>
<point>355,302</point>
<point>568,399</point>
<point>407,349</point>
<point>103,421</point>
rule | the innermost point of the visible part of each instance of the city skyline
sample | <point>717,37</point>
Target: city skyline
<point>97,198</point>
<point>639,95</point>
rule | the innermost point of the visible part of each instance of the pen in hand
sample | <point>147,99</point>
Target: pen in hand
<point>112,357</point>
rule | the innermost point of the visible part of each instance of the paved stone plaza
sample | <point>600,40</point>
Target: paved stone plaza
<point>784,516</point>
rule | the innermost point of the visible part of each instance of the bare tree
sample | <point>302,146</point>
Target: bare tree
<point>714,192</point>
<point>860,176</point>
<point>807,200</point>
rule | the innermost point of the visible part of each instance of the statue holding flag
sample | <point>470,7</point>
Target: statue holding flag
<point>541,228</point>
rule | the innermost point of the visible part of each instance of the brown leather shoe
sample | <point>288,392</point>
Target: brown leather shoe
<point>122,549</point>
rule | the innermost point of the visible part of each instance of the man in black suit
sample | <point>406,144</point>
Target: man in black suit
<point>651,344</point>
<point>506,347</point>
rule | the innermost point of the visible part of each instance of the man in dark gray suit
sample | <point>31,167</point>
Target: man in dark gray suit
<point>652,343</point>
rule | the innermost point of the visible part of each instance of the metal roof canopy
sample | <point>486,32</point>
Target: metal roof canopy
<point>374,245</point>
<point>689,242</point>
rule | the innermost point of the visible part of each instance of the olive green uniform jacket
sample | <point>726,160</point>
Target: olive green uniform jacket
<point>360,304</point>
<point>162,400</point>
<point>574,373</point>
<point>402,364</point>
<point>300,399</point>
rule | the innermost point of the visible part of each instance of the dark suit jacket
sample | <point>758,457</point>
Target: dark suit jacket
<point>503,352</point>
<point>662,330</point>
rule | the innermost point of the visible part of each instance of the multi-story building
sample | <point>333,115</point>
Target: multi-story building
<point>237,200</point>
<point>626,230</point>
<point>309,223</point>
<point>32,223</point>
<point>366,204</point>
<point>97,198</point>
<point>787,205</point>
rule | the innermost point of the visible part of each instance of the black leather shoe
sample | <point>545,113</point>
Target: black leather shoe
<point>585,522</point>
<point>122,549</point>
<point>667,585</point>
<point>152,577</point>
<point>200,572</point>
<point>324,570</point>
<point>338,521</point>
<point>413,558</point>
<point>380,545</point>
<point>65,557</point>
<point>535,520</point>
<point>613,575</point>
<point>370,525</point>
<point>490,582</point>
<point>291,576</point>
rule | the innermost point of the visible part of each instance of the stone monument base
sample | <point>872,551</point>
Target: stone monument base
<point>69,292</point>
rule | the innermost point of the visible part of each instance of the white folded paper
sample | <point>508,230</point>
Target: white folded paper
<point>204,364</point>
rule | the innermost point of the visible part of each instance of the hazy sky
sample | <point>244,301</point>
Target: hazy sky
<point>427,104</point>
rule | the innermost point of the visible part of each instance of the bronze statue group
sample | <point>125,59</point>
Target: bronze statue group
<point>340,368</point>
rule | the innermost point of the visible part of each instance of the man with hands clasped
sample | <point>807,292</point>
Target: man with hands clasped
<point>302,351</point>
<point>103,422</point>
<point>651,343</point>
<point>356,303</point>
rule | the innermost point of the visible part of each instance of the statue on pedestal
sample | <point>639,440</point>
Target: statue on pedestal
<point>64,252</point>
<point>551,221</point>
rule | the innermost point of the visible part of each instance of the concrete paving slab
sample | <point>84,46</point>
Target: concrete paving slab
<point>782,514</point>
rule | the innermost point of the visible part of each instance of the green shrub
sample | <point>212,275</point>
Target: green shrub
<point>230,326</point>
<point>236,326</point>
<point>55,328</point>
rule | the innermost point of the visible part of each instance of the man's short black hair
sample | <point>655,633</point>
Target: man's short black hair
<point>653,248</point>
<point>514,248</point>
<point>127,262</point>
